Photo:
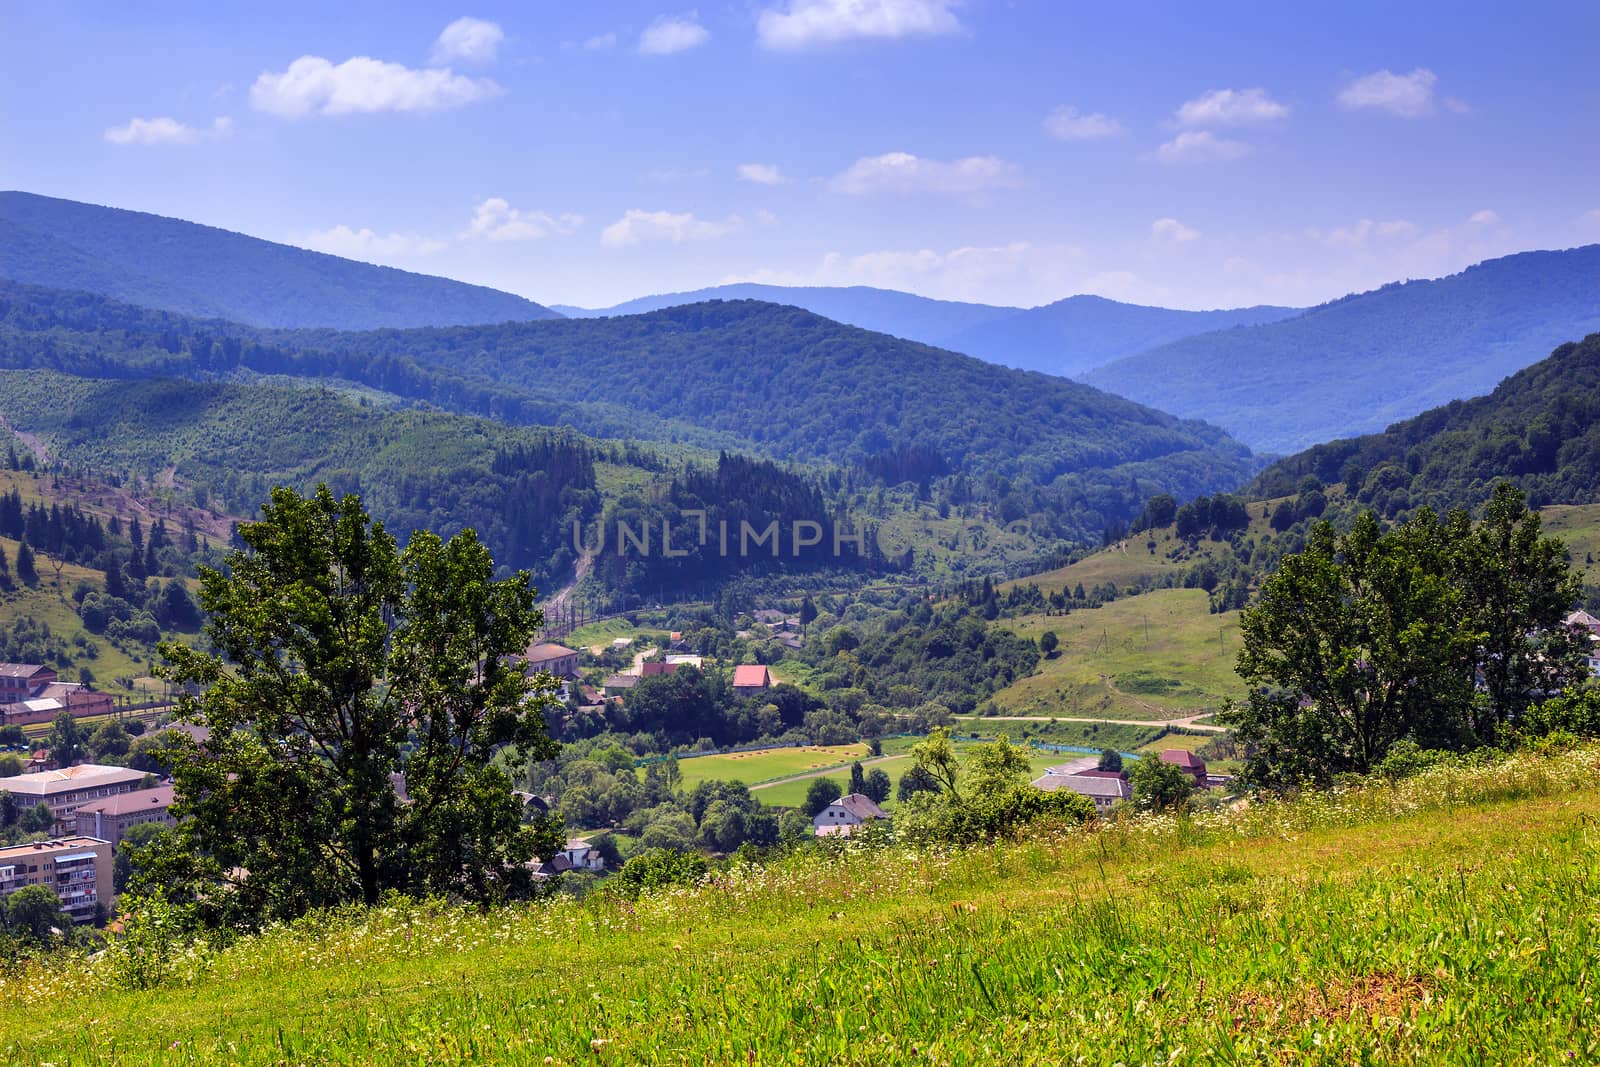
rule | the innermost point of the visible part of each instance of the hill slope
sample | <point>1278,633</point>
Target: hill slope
<point>1449,918</point>
<point>1077,334</point>
<point>898,314</point>
<point>1067,337</point>
<point>1539,428</point>
<point>799,386</point>
<point>199,270</point>
<point>1358,364</point>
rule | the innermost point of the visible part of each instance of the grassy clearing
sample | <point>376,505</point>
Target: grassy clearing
<point>607,631</point>
<point>1579,526</point>
<point>765,764</point>
<point>1452,918</point>
<point>1155,656</point>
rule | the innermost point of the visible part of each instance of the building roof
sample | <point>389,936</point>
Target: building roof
<point>20,670</point>
<point>70,780</point>
<point>1085,785</point>
<point>139,800</point>
<point>48,847</point>
<point>622,681</point>
<point>548,650</point>
<point>861,806</point>
<point>1183,758</point>
<point>751,674</point>
<point>1102,774</point>
<point>651,668</point>
<point>1075,766</point>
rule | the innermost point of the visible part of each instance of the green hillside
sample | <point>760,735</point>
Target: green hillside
<point>803,387</point>
<point>1060,458</point>
<point>1406,923</point>
<point>200,270</point>
<point>1065,337</point>
<point>1539,428</point>
<point>1358,364</point>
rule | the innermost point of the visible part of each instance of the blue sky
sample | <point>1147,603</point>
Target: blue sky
<point>1008,152</point>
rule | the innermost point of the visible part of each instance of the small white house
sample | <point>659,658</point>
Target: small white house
<point>583,856</point>
<point>840,818</point>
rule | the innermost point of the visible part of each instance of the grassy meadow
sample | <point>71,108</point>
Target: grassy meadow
<point>1159,655</point>
<point>1579,526</point>
<point>1451,918</point>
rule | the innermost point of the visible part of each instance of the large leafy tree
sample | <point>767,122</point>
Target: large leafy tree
<point>356,700</point>
<point>1443,633</point>
<point>1357,641</point>
<point>1518,589</point>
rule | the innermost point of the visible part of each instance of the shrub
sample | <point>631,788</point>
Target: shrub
<point>656,869</point>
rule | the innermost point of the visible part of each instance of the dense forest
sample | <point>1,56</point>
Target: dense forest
<point>1362,362</point>
<point>799,386</point>
<point>1067,337</point>
<point>1540,428</point>
<point>1068,460</point>
<point>200,270</point>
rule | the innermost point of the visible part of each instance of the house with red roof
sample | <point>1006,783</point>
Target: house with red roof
<point>1188,763</point>
<point>750,679</point>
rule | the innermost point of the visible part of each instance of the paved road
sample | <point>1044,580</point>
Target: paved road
<point>825,771</point>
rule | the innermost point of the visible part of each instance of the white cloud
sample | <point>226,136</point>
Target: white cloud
<point>673,33</point>
<point>496,220</point>
<point>1484,217</point>
<point>600,40</point>
<point>803,24</point>
<point>1200,146</point>
<point>1069,124</point>
<point>313,86</point>
<point>637,226</point>
<point>902,172</point>
<point>1172,231</point>
<point>1407,95</point>
<point>469,40</point>
<point>761,173</point>
<point>1359,234</point>
<point>1231,107</point>
<point>366,244</point>
<point>1591,216</point>
<point>164,130</point>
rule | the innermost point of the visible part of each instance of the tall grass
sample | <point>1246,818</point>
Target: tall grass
<point>1450,917</point>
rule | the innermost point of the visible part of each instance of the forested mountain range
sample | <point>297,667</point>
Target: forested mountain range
<point>799,386</point>
<point>1539,428</point>
<point>898,314</point>
<point>1066,337</point>
<point>1075,335</point>
<point>200,270</point>
<point>745,376</point>
<point>1358,364</point>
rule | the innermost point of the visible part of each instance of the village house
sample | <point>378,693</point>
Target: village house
<point>559,660</point>
<point>110,819</point>
<point>76,869</point>
<point>65,790</point>
<point>618,684</point>
<point>750,679</point>
<point>582,856</point>
<point>1188,763</point>
<point>652,668</point>
<point>31,693</point>
<point>840,818</point>
<point>1105,788</point>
